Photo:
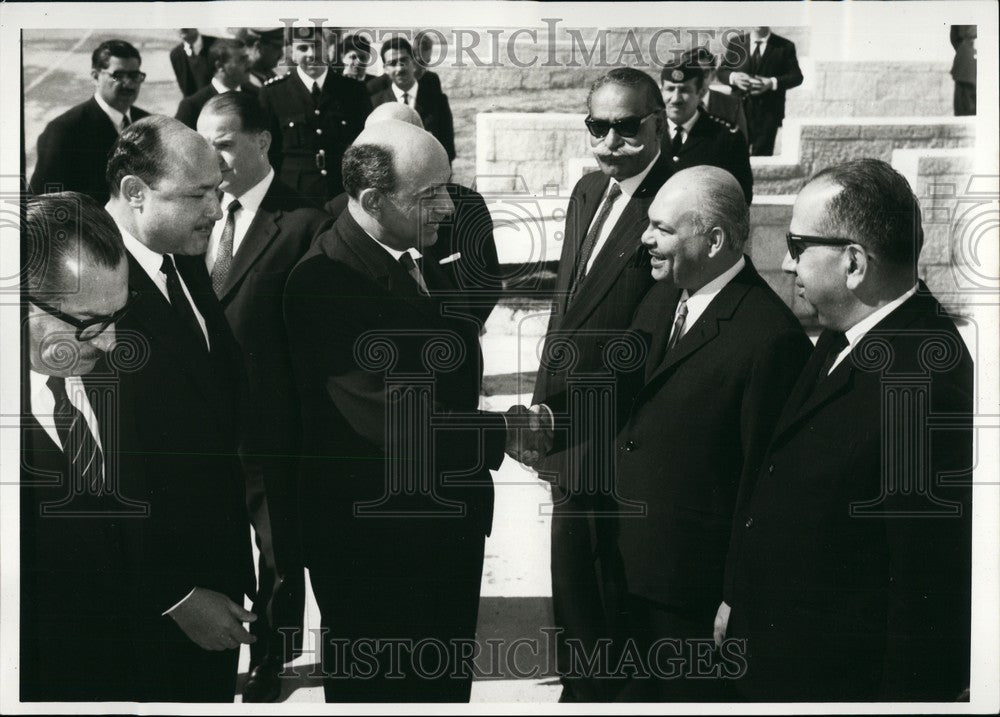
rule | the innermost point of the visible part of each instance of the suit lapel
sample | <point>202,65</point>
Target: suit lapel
<point>697,134</point>
<point>101,120</point>
<point>261,232</point>
<point>662,304</point>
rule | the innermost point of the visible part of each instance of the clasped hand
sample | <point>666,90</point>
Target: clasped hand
<point>529,434</point>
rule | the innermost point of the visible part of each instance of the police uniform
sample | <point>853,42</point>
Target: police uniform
<point>308,138</point>
<point>711,140</point>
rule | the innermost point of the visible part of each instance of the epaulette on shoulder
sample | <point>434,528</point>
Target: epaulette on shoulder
<point>724,122</point>
<point>279,78</point>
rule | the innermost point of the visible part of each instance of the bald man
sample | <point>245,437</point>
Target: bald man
<point>396,491</point>
<point>465,249</point>
<point>191,555</point>
<point>719,340</point>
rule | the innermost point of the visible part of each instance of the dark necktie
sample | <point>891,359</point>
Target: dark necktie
<point>677,143</point>
<point>414,271</point>
<point>678,328</point>
<point>838,342</point>
<point>125,121</point>
<point>406,98</point>
<point>755,57</point>
<point>179,302</point>
<point>315,93</point>
<point>832,343</point>
<point>83,456</point>
<point>595,231</point>
<point>224,256</point>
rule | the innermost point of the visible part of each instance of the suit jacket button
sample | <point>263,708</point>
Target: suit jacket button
<point>770,469</point>
<point>316,112</point>
<point>323,172</point>
<point>319,131</point>
<point>343,121</point>
<point>749,523</point>
<point>600,345</point>
<point>629,446</point>
<point>291,124</point>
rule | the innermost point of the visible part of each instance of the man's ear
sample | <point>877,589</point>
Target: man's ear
<point>716,241</point>
<point>858,265</point>
<point>371,201</point>
<point>134,190</point>
<point>264,141</point>
<point>95,73</point>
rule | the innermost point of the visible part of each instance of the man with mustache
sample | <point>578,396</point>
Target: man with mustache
<point>603,275</point>
<point>313,116</point>
<point>192,556</point>
<point>73,149</point>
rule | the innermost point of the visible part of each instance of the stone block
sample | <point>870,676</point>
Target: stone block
<point>937,244</point>
<point>849,85</point>
<point>830,131</point>
<point>767,246</point>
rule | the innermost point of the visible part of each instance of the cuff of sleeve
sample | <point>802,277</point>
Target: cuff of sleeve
<point>774,83</point>
<point>549,414</point>
<point>178,603</point>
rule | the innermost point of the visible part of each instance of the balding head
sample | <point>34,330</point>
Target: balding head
<point>163,178</point>
<point>394,111</point>
<point>395,174</point>
<point>698,224</point>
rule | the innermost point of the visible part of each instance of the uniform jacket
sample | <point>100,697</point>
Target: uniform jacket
<point>73,151</point>
<point>849,569</point>
<point>729,107</point>
<point>778,61</point>
<point>192,73</point>
<point>308,141</point>
<point>190,107</point>
<point>699,423</point>
<point>716,142</point>
<point>581,330</point>
<point>433,108</point>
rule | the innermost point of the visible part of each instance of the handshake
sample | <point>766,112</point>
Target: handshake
<point>529,434</point>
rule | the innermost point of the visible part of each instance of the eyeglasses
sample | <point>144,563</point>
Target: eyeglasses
<point>628,127</point>
<point>86,329</point>
<point>797,242</point>
<point>120,76</point>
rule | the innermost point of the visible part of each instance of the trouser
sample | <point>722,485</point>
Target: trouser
<point>965,99</point>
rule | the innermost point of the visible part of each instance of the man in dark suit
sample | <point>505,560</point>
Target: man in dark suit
<point>73,149</point>
<point>723,353</point>
<point>762,66</point>
<point>424,95</point>
<point>74,621</point>
<point>193,557</point>
<point>603,275</point>
<point>465,249</point>
<point>230,60</point>
<point>192,66</point>
<point>313,116</point>
<point>849,570</point>
<point>266,228</point>
<point>693,136</point>
<point>963,68</point>
<point>396,491</point>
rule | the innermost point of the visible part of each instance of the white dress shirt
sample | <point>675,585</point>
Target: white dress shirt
<point>114,115</point>
<point>411,94</point>
<point>699,301</point>
<point>151,261</point>
<point>222,89</point>
<point>192,49</point>
<point>308,81</point>
<point>43,405</point>
<point>857,332</point>
<point>686,127</point>
<point>629,187</point>
<point>754,39</point>
<point>249,206</point>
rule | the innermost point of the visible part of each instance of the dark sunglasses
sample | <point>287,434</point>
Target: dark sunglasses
<point>628,127</point>
<point>120,76</point>
<point>797,243</point>
<point>86,329</point>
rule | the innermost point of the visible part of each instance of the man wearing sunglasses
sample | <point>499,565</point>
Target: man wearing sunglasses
<point>72,592</point>
<point>603,274</point>
<point>849,568</point>
<point>73,149</point>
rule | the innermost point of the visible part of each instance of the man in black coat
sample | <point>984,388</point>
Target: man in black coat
<point>192,66</point>
<point>723,353</point>
<point>230,60</point>
<point>603,275</point>
<point>848,575</point>
<point>313,116</point>
<point>75,636</point>
<point>762,67</point>
<point>266,229</point>
<point>692,135</point>
<point>193,560</point>
<point>73,149</point>
<point>423,94</point>
<point>396,491</point>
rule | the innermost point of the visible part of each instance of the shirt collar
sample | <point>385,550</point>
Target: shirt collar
<point>222,89</point>
<point>149,260</point>
<point>308,81</point>
<point>672,126</point>
<point>712,288</point>
<point>196,46</point>
<point>114,115</point>
<point>630,185</point>
<point>411,94</point>
<point>856,332</point>
<point>251,200</point>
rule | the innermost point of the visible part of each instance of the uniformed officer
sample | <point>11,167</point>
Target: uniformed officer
<point>266,46</point>
<point>313,115</point>
<point>694,136</point>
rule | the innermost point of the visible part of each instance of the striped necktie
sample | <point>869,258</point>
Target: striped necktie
<point>84,460</point>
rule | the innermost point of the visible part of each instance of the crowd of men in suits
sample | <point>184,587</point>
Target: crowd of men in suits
<point>270,312</point>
